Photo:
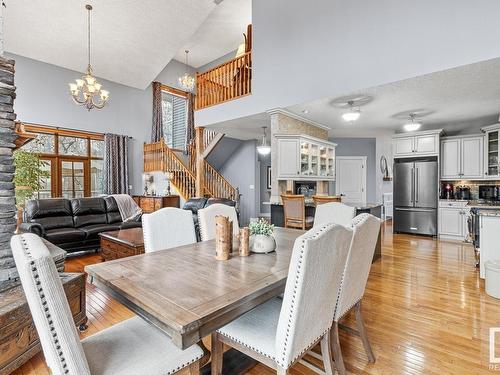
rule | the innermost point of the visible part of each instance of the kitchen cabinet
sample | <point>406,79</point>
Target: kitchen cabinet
<point>453,220</point>
<point>424,143</point>
<point>305,158</point>
<point>491,151</point>
<point>462,157</point>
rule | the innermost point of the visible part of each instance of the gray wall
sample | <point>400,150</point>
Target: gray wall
<point>241,170</point>
<point>361,147</point>
<point>221,153</point>
<point>43,98</point>
<point>356,44</point>
<point>214,63</point>
<point>265,193</point>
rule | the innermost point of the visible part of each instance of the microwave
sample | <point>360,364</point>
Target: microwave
<point>489,192</point>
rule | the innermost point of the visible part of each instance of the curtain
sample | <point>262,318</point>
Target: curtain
<point>157,129</point>
<point>190,133</point>
<point>115,164</point>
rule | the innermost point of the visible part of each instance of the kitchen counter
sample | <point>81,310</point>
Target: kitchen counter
<point>363,207</point>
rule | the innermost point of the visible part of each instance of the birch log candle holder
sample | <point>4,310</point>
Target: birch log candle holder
<point>244,242</point>
<point>223,238</point>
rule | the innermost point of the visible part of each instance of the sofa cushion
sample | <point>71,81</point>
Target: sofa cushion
<point>64,235</point>
<point>92,231</point>
<point>112,212</point>
<point>50,213</point>
<point>195,204</point>
<point>131,224</point>
<point>227,202</point>
<point>87,211</point>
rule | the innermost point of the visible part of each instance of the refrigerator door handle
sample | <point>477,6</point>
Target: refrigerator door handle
<point>416,185</point>
<point>412,193</point>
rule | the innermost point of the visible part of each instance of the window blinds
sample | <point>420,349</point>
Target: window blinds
<point>174,119</point>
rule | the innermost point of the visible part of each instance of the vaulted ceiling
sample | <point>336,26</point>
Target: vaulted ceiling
<point>132,41</point>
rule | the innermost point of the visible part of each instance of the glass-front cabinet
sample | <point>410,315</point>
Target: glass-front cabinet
<point>315,158</point>
<point>491,151</point>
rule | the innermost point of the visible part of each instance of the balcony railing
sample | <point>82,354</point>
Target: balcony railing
<point>228,81</point>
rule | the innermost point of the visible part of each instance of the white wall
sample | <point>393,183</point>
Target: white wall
<point>323,48</point>
<point>43,98</point>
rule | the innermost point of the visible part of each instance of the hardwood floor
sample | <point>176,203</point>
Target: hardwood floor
<point>425,310</point>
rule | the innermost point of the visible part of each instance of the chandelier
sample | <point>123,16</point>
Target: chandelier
<point>87,91</point>
<point>186,81</point>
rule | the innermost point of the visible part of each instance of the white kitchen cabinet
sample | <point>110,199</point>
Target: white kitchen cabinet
<point>305,158</point>
<point>491,152</point>
<point>462,157</point>
<point>453,220</point>
<point>425,143</point>
<point>489,239</point>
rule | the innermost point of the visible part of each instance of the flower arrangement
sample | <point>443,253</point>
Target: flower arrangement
<point>261,227</point>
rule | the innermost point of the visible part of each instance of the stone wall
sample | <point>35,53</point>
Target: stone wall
<point>8,273</point>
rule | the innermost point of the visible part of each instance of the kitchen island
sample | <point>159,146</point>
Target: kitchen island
<point>278,216</point>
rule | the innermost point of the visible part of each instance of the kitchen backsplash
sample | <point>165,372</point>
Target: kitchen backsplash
<point>473,185</point>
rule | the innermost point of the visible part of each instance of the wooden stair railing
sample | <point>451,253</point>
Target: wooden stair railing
<point>216,185</point>
<point>158,157</point>
<point>227,81</point>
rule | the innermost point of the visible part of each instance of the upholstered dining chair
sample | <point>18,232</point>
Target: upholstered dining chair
<point>366,228</point>
<point>206,219</point>
<point>321,199</point>
<point>166,228</point>
<point>279,332</point>
<point>294,209</point>
<point>334,212</point>
<point>130,347</point>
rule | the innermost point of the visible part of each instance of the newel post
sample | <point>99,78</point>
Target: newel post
<point>200,162</point>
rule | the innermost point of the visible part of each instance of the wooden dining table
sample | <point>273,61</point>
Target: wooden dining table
<point>187,293</point>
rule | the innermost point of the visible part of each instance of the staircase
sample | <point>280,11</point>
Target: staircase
<point>158,157</point>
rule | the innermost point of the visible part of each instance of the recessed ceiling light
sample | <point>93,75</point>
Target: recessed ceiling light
<point>411,125</point>
<point>352,114</point>
<point>305,111</point>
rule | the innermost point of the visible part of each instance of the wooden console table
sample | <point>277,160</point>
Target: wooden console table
<point>18,337</point>
<point>150,204</point>
<point>121,243</point>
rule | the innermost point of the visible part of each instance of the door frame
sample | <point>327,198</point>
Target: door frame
<point>364,175</point>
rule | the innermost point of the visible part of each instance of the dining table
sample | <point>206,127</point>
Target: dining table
<point>188,294</point>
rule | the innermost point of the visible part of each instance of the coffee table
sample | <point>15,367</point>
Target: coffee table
<point>121,243</point>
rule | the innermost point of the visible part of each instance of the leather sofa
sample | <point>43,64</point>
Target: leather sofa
<point>73,224</point>
<point>195,204</point>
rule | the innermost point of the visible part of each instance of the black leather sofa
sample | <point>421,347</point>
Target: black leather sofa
<point>73,224</point>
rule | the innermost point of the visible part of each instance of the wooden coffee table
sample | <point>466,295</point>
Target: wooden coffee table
<point>121,243</point>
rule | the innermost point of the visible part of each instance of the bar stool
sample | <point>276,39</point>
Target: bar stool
<point>294,209</point>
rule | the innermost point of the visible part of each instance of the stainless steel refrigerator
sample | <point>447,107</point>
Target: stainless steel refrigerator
<point>415,196</point>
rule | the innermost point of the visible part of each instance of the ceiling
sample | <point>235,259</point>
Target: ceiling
<point>458,100</point>
<point>220,34</point>
<point>132,40</point>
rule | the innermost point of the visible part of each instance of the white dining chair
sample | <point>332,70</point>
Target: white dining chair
<point>166,228</point>
<point>279,332</point>
<point>130,347</point>
<point>366,229</point>
<point>206,219</point>
<point>334,212</point>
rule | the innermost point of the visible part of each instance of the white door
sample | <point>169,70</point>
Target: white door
<point>350,181</point>
<point>403,146</point>
<point>472,157</point>
<point>450,158</point>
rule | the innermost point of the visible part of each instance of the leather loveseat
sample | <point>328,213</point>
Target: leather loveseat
<point>73,224</point>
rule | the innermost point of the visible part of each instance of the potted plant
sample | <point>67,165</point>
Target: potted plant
<point>261,237</point>
<point>29,175</point>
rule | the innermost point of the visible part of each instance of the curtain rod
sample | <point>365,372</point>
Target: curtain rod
<point>64,128</point>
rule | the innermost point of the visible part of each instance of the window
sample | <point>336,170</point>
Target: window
<point>174,116</point>
<point>73,158</point>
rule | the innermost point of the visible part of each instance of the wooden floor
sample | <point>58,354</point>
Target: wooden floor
<point>425,310</point>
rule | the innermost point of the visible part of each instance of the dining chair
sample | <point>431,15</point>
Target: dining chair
<point>366,229</point>
<point>131,347</point>
<point>321,199</point>
<point>279,332</point>
<point>294,209</point>
<point>166,228</point>
<point>334,212</point>
<point>206,219</point>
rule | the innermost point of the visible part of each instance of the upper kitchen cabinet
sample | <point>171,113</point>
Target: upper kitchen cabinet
<point>305,158</point>
<point>491,154</point>
<point>462,157</point>
<point>425,143</point>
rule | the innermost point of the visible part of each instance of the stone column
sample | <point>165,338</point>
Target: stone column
<point>8,272</point>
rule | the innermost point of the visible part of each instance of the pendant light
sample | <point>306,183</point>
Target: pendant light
<point>186,82</point>
<point>411,125</point>
<point>87,91</point>
<point>264,148</point>
<point>352,114</point>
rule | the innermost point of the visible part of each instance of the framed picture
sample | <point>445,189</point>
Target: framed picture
<point>269,177</point>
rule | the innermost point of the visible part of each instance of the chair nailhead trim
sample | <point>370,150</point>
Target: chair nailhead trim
<point>36,277</point>
<point>184,365</point>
